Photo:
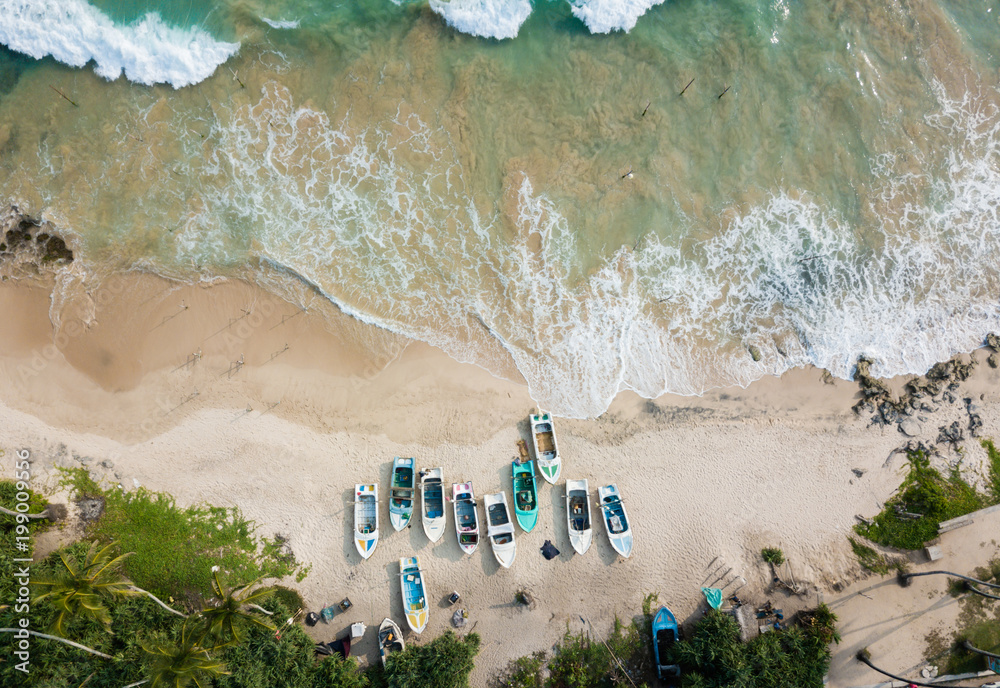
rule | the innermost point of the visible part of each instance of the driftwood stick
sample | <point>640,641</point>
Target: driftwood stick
<point>686,87</point>
<point>63,95</point>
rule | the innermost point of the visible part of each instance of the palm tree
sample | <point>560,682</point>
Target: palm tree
<point>176,665</point>
<point>228,613</point>
<point>81,591</point>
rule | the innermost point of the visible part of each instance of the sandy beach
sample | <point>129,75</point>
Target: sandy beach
<point>226,394</point>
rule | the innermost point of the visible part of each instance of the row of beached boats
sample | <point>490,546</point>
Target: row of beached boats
<point>499,524</point>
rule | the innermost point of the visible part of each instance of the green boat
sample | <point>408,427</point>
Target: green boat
<point>525,495</point>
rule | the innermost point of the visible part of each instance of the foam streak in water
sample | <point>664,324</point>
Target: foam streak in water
<point>147,51</point>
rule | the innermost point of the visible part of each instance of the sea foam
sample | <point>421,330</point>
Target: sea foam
<point>147,51</point>
<point>485,18</point>
<point>281,23</point>
<point>605,16</point>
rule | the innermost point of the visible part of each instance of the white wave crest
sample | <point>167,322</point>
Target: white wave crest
<point>281,23</point>
<point>147,51</point>
<point>485,18</point>
<point>605,16</point>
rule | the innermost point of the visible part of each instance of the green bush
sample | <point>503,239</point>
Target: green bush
<point>175,548</point>
<point>445,662</point>
<point>523,672</point>
<point>993,470</point>
<point>714,657</point>
<point>773,555</point>
<point>930,495</point>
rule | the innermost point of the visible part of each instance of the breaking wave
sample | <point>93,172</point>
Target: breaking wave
<point>148,51</point>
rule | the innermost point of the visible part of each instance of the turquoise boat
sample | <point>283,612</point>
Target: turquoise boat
<point>401,493</point>
<point>664,636</point>
<point>525,495</point>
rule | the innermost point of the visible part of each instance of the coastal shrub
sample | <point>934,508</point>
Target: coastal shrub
<point>925,499</point>
<point>581,661</point>
<point>773,555</point>
<point>445,662</point>
<point>873,561</point>
<point>993,469</point>
<point>175,548</point>
<point>9,534</point>
<point>261,661</point>
<point>715,657</point>
<point>523,672</point>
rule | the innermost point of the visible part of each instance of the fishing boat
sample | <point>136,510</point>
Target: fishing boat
<point>401,493</point>
<point>543,435</point>
<point>525,495</point>
<point>581,533</point>
<point>664,636</point>
<point>499,529</point>
<point>411,580</point>
<point>432,496</point>
<point>615,520</point>
<point>390,639</point>
<point>466,518</point>
<point>365,519</point>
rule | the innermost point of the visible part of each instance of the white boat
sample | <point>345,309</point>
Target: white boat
<point>500,529</point>
<point>463,498</point>
<point>390,639</point>
<point>543,436</point>
<point>401,493</point>
<point>615,519</point>
<point>581,533</point>
<point>432,498</point>
<point>411,581</point>
<point>365,519</point>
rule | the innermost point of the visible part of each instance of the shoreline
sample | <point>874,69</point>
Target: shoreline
<point>285,435</point>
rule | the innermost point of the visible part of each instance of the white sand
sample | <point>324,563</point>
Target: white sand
<point>705,480</point>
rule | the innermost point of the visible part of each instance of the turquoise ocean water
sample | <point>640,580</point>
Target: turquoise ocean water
<point>480,174</point>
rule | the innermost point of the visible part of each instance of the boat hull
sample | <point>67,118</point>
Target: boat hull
<point>543,439</point>
<point>463,499</point>
<point>390,639</point>
<point>664,635</point>
<point>616,522</point>
<point>432,500</point>
<point>525,495</point>
<point>401,493</point>
<point>411,580</point>
<point>366,519</point>
<point>500,529</point>
<point>578,517</point>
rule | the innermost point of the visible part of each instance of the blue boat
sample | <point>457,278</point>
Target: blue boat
<point>664,636</point>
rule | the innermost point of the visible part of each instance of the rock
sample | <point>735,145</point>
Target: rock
<point>952,434</point>
<point>993,360</point>
<point>858,471</point>
<point>754,352</point>
<point>922,419</point>
<point>108,463</point>
<point>910,428</point>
